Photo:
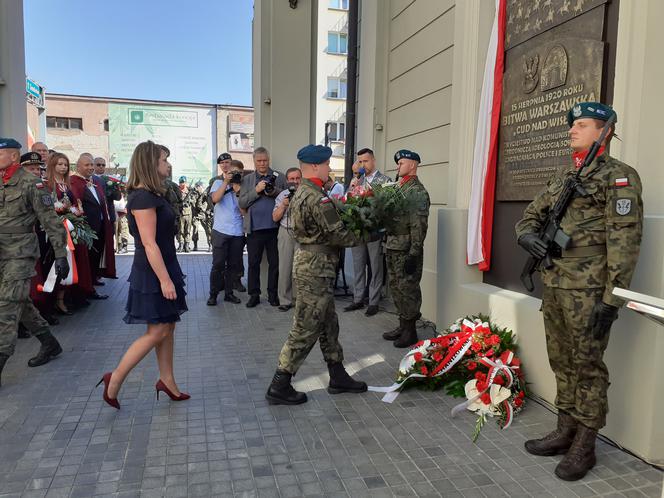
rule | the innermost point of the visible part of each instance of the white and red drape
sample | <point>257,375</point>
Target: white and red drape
<point>485,155</point>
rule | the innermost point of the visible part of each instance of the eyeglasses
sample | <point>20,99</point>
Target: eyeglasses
<point>101,164</point>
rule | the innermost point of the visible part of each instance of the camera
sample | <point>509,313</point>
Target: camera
<point>291,191</point>
<point>270,184</point>
<point>237,177</point>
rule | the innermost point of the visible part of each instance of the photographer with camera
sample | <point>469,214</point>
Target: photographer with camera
<point>227,235</point>
<point>286,242</point>
<point>257,196</point>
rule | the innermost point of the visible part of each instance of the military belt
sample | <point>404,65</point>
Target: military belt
<point>16,230</point>
<point>583,251</point>
<point>320,248</point>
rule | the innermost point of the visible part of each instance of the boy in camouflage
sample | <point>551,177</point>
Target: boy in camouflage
<point>578,304</point>
<point>320,232</point>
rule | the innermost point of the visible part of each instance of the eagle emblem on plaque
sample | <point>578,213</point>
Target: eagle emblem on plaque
<point>530,73</point>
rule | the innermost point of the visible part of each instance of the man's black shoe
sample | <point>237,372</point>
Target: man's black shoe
<point>285,307</point>
<point>238,286</point>
<point>354,306</point>
<point>212,300</point>
<point>50,348</point>
<point>281,391</point>
<point>253,301</point>
<point>371,310</point>
<point>98,296</point>
<point>232,299</point>
<point>274,301</point>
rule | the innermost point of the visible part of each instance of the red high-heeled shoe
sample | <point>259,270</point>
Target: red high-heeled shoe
<point>106,379</point>
<point>160,386</point>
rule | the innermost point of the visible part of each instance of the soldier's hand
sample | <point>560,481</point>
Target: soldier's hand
<point>260,187</point>
<point>533,244</point>
<point>410,265</point>
<point>61,268</point>
<point>601,318</point>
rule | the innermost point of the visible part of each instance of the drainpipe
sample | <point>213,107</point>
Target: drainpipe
<point>351,90</point>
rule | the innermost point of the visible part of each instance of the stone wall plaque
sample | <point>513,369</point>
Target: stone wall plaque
<point>544,77</point>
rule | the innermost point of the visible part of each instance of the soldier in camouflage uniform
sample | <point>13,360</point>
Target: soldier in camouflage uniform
<point>173,195</point>
<point>202,215</point>
<point>405,251</point>
<point>186,215</point>
<point>320,233</point>
<point>578,305</point>
<point>24,200</point>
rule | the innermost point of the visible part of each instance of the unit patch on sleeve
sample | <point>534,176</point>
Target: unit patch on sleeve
<point>47,200</point>
<point>623,206</point>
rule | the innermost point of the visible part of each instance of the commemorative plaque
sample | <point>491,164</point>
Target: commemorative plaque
<point>554,59</point>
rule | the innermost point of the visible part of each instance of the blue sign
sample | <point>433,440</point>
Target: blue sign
<point>32,88</point>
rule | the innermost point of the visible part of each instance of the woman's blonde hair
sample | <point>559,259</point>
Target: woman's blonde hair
<point>50,169</point>
<point>143,168</point>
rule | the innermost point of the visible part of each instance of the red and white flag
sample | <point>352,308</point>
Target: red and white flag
<point>485,155</point>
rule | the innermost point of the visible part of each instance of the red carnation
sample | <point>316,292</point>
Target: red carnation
<point>516,362</point>
<point>521,394</point>
<point>424,370</point>
<point>471,365</point>
<point>481,385</point>
<point>489,352</point>
<point>499,380</point>
<point>476,346</point>
<point>437,356</point>
<point>518,402</point>
<point>486,398</point>
<point>493,339</point>
<point>480,376</point>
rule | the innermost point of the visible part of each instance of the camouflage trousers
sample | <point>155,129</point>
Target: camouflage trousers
<point>582,378</point>
<point>197,224</point>
<point>315,320</point>
<point>405,289</point>
<point>15,306</point>
<point>185,229</point>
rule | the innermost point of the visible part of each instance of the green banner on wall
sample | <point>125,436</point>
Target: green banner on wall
<point>186,131</point>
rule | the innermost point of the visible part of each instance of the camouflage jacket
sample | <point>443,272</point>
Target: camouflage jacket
<point>409,230</point>
<point>24,200</point>
<point>174,197</point>
<point>609,219</point>
<point>188,201</point>
<point>202,208</point>
<point>314,220</point>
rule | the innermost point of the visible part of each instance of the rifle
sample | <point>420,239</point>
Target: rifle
<point>551,233</point>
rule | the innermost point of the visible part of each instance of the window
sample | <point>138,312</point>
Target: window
<point>337,43</point>
<point>336,132</point>
<point>336,88</point>
<point>106,127</point>
<point>64,123</point>
<point>338,4</point>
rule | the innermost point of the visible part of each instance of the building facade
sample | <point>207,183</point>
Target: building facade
<point>421,65</point>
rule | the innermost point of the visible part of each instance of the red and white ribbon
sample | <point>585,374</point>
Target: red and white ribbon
<point>72,277</point>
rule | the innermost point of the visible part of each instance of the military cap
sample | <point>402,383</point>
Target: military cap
<point>406,154</point>
<point>224,156</point>
<point>9,143</point>
<point>594,110</point>
<point>183,179</point>
<point>31,158</point>
<point>314,154</point>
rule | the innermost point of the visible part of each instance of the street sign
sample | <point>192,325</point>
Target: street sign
<point>34,93</point>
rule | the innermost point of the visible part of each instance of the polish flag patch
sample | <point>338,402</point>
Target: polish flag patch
<point>622,182</point>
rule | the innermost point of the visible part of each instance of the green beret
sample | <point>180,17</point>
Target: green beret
<point>9,143</point>
<point>593,110</point>
<point>406,154</point>
<point>314,154</point>
<point>183,179</point>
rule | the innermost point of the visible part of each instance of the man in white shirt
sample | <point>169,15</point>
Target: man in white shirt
<point>370,253</point>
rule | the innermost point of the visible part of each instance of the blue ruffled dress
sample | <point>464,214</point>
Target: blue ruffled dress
<point>145,302</point>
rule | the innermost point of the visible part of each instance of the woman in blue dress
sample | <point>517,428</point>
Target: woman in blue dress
<point>156,284</point>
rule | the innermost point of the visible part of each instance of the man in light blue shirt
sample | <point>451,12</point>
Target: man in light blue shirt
<point>227,236</point>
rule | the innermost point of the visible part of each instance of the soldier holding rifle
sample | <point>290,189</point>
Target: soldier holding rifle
<point>583,231</point>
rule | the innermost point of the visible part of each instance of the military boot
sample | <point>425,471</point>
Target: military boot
<point>557,441</point>
<point>179,249</point>
<point>281,392</point>
<point>408,335</point>
<point>185,247</point>
<point>23,332</point>
<point>50,348</point>
<point>341,382</point>
<point>394,334</point>
<point>580,457</point>
<point>195,248</point>
<point>3,360</point>
<point>212,300</point>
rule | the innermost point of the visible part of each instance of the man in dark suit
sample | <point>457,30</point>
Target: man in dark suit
<point>92,197</point>
<point>257,195</point>
<point>100,178</point>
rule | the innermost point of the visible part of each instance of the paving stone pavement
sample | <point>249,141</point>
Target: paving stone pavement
<point>58,439</point>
